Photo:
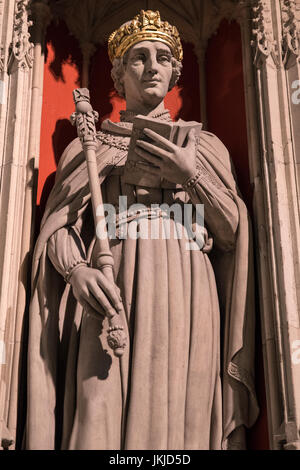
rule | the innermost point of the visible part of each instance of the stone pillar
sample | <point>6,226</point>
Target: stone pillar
<point>277,225</point>
<point>20,130</point>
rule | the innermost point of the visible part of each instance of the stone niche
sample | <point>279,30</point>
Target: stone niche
<point>269,34</point>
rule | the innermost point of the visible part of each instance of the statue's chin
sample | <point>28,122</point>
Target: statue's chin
<point>153,96</point>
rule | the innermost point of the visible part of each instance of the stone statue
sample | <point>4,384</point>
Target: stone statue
<point>186,378</point>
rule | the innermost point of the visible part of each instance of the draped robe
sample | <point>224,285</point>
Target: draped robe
<point>186,380</point>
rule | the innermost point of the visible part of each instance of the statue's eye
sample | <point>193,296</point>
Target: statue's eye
<point>164,58</point>
<point>139,58</point>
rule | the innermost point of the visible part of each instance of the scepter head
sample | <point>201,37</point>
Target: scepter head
<point>84,117</point>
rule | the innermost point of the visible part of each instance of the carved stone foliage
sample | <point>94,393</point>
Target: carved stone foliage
<point>290,13</point>
<point>22,48</point>
<point>264,43</point>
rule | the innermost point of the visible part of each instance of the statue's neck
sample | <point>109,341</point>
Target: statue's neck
<point>144,109</point>
<point>159,112</point>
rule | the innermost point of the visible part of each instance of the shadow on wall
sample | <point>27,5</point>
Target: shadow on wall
<point>104,98</point>
<point>65,48</point>
<point>187,91</point>
<point>63,134</point>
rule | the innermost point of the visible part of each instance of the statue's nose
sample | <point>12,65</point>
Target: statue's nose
<point>151,64</point>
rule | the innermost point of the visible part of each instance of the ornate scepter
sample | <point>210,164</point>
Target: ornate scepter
<point>85,118</point>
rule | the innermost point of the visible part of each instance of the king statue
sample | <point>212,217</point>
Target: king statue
<point>186,376</point>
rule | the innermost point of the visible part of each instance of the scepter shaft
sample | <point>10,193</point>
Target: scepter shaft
<point>104,255</point>
<point>85,118</point>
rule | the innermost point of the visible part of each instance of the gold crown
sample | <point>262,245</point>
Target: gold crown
<point>146,26</point>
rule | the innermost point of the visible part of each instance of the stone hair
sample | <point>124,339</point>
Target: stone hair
<point>118,70</point>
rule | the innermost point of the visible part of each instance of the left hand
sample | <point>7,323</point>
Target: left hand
<point>173,163</point>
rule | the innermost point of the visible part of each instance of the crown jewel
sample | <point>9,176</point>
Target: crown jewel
<point>146,26</point>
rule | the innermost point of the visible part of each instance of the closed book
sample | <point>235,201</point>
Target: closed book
<point>135,172</point>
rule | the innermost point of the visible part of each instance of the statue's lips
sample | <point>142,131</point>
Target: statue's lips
<point>151,83</point>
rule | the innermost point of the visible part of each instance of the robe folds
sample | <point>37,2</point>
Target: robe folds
<point>186,380</point>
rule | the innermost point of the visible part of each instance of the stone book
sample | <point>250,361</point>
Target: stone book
<point>135,170</point>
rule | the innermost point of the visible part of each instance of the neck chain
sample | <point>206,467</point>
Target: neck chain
<point>128,116</point>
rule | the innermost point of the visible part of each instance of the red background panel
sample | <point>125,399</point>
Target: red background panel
<point>226,111</point>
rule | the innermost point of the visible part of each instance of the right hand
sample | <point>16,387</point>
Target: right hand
<point>91,288</point>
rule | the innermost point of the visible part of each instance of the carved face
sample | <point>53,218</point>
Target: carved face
<point>148,72</point>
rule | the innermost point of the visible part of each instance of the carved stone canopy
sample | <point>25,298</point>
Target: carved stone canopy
<point>91,21</point>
